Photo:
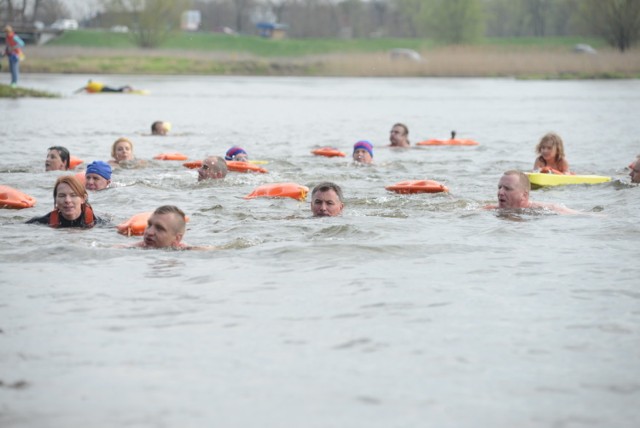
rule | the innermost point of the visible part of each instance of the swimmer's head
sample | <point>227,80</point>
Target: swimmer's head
<point>363,152</point>
<point>236,153</point>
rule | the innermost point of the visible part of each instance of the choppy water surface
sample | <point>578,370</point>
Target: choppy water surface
<point>405,311</point>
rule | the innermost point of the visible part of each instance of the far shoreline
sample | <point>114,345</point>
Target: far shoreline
<point>451,61</point>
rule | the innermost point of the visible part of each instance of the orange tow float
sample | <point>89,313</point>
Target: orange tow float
<point>453,141</point>
<point>135,225</point>
<point>81,177</point>
<point>238,166</point>
<point>417,186</point>
<point>171,156</point>
<point>193,164</point>
<point>547,170</point>
<point>329,152</point>
<point>280,190</point>
<point>74,162</point>
<point>15,199</point>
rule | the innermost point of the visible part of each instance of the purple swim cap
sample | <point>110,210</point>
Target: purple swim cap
<point>233,152</point>
<point>364,144</point>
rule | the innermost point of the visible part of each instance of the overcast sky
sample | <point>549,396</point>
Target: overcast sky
<point>81,9</point>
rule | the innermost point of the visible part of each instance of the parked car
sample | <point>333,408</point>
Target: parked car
<point>119,29</point>
<point>65,24</point>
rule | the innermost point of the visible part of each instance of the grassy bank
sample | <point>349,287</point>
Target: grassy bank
<point>95,52</point>
<point>7,91</point>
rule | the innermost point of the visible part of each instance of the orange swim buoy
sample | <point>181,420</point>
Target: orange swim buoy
<point>74,162</point>
<point>15,199</point>
<point>329,152</point>
<point>453,141</point>
<point>82,177</point>
<point>171,156</point>
<point>193,164</point>
<point>280,190</point>
<point>417,186</point>
<point>238,166</point>
<point>547,170</point>
<point>135,225</point>
<point>449,142</point>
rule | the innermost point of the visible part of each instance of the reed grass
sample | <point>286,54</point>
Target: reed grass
<point>533,62</point>
<point>7,91</point>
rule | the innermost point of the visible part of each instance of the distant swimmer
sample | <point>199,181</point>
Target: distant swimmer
<point>98,175</point>
<point>399,135</point>
<point>58,159</point>
<point>213,167</point>
<point>635,171</point>
<point>71,203</point>
<point>327,200</point>
<point>363,152</point>
<point>236,153</point>
<point>94,87</point>
<point>160,128</point>
<point>551,155</point>
<point>513,193</point>
<point>122,153</point>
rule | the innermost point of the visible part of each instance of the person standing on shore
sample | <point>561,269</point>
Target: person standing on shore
<point>13,50</point>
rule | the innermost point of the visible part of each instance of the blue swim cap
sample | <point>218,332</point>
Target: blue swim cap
<point>364,144</point>
<point>233,152</point>
<point>103,169</point>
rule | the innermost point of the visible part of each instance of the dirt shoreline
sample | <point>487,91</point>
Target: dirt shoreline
<point>466,61</point>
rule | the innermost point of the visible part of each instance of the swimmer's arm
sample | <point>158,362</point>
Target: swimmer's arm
<point>538,164</point>
<point>560,209</point>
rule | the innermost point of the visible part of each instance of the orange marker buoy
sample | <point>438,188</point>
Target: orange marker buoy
<point>238,166</point>
<point>15,199</point>
<point>547,170</point>
<point>280,190</point>
<point>329,152</point>
<point>193,164</point>
<point>74,162</point>
<point>417,186</point>
<point>82,177</point>
<point>135,225</point>
<point>171,156</point>
<point>453,141</point>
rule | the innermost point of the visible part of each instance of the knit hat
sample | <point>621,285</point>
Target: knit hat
<point>364,144</point>
<point>233,152</point>
<point>103,169</point>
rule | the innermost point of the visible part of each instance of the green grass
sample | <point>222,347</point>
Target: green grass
<point>7,91</point>
<point>254,45</point>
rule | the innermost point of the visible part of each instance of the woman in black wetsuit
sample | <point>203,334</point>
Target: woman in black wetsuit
<point>71,206</point>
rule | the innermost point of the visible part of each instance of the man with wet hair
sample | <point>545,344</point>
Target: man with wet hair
<point>327,200</point>
<point>214,168</point>
<point>165,229</point>
<point>58,159</point>
<point>635,170</point>
<point>513,192</point>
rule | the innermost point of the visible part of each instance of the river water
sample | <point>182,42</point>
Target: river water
<point>405,311</point>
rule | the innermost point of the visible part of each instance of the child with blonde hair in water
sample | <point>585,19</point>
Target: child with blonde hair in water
<point>551,156</point>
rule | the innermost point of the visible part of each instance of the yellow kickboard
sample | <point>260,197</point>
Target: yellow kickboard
<point>542,180</point>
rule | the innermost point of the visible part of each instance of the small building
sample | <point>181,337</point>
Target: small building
<point>190,20</point>
<point>272,30</point>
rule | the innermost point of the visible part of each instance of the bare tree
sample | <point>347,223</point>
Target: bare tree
<point>151,21</point>
<point>618,21</point>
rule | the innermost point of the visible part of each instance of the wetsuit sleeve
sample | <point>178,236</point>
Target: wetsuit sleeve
<point>39,220</point>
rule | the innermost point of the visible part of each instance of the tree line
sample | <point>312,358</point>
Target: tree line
<point>447,21</point>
